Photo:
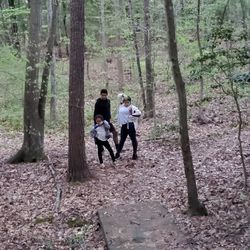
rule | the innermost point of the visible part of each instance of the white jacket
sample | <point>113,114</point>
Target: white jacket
<point>128,114</point>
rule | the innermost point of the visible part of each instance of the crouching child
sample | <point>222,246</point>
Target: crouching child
<point>100,132</point>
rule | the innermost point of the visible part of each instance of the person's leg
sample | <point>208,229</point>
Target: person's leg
<point>132,135</point>
<point>108,147</point>
<point>124,134</point>
<point>115,135</point>
<point>100,150</point>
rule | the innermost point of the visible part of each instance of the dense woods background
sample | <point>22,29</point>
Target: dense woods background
<point>127,48</point>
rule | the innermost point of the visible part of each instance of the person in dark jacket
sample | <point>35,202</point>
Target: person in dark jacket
<point>102,107</point>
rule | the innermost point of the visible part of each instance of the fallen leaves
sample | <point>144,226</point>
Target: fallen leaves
<point>28,219</point>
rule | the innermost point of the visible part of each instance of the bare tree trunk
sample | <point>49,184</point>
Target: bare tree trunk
<point>149,70</point>
<point>53,61</point>
<point>14,30</point>
<point>64,7</point>
<point>118,17</point>
<point>48,60</point>
<point>58,33</point>
<point>53,102</point>
<point>137,54</point>
<point>32,148</point>
<point>200,48</point>
<point>236,96</point>
<point>77,168</point>
<point>194,206</point>
<point>104,42</point>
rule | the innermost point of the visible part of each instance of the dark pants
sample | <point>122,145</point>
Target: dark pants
<point>128,129</point>
<point>100,144</point>
<point>114,132</point>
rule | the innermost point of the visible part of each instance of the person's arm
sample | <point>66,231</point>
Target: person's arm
<point>93,132</point>
<point>109,110</point>
<point>106,124</point>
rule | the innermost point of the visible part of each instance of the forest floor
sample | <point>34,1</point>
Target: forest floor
<point>28,219</point>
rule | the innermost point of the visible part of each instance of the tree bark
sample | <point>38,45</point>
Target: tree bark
<point>77,164</point>
<point>104,42</point>
<point>64,8</point>
<point>200,48</point>
<point>48,60</point>
<point>14,30</point>
<point>32,148</point>
<point>137,54</point>
<point>194,206</point>
<point>149,70</point>
<point>53,21</point>
<point>236,96</point>
<point>53,101</point>
<point>118,17</point>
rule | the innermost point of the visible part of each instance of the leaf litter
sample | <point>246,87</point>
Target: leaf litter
<point>29,220</point>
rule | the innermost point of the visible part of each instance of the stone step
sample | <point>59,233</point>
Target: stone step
<point>141,226</point>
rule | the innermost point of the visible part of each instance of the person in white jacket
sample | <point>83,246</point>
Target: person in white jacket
<point>127,116</point>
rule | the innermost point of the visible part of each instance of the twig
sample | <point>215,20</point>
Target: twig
<point>57,185</point>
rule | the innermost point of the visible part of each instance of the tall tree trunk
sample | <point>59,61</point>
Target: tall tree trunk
<point>65,27</point>
<point>14,30</point>
<point>48,60</point>
<point>149,70</point>
<point>53,59</point>
<point>200,48</point>
<point>104,42</point>
<point>77,163</point>
<point>53,102</point>
<point>118,18</point>
<point>137,54</point>
<point>32,148</point>
<point>194,206</point>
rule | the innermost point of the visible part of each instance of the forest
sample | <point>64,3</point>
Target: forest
<point>182,67</point>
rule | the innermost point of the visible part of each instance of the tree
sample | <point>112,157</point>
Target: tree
<point>65,26</point>
<point>32,148</point>
<point>149,70</point>
<point>200,48</point>
<point>104,42</point>
<point>77,164</point>
<point>53,26</point>
<point>137,53</point>
<point>48,61</point>
<point>14,29</point>
<point>194,205</point>
<point>118,16</point>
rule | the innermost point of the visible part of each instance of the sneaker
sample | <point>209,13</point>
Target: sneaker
<point>117,155</point>
<point>113,164</point>
<point>102,165</point>
<point>134,157</point>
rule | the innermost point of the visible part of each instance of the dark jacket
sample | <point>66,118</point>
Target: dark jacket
<point>102,107</point>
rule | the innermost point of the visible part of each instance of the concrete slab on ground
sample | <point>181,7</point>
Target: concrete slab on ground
<point>141,226</point>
